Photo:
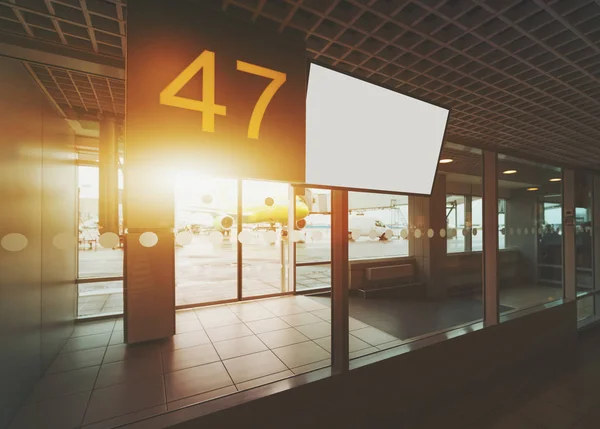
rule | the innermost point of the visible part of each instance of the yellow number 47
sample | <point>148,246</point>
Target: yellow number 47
<point>208,107</point>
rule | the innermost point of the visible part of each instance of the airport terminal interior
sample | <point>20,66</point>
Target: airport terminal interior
<point>244,277</point>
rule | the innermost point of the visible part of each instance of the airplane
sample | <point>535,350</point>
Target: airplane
<point>272,212</point>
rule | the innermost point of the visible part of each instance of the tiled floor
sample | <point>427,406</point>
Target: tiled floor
<point>99,382</point>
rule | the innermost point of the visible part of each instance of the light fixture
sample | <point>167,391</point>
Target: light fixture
<point>509,172</point>
<point>556,179</point>
<point>533,189</point>
<point>446,161</point>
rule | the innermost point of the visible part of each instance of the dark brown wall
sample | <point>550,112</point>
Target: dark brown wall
<point>37,199</point>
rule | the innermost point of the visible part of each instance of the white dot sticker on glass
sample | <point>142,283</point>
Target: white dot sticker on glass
<point>184,238</point>
<point>404,234</point>
<point>518,231</point>
<point>63,241</point>
<point>317,236</point>
<point>245,237</point>
<point>474,231</point>
<point>417,233</point>
<point>442,233</point>
<point>14,242</point>
<point>356,234</point>
<point>373,234</point>
<point>270,237</point>
<point>465,232</point>
<point>110,240</point>
<point>511,231</point>
<point>147,239</point>
<point>388,234</point>
<point>430,233</point>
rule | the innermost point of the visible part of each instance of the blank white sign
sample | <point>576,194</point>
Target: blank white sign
<point>363,136</point>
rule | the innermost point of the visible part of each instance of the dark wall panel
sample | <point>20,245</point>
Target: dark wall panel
<point>20,198</point>
<point>37,200</point>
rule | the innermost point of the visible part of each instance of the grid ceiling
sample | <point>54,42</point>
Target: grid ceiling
<point>519,75</point>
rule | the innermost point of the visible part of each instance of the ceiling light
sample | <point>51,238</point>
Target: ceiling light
<point>533,189</point>
<point>509,172</point>
<point>556,179</point>
<point>446,161</point>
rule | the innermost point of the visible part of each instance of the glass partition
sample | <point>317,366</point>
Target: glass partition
<point>530,263</point>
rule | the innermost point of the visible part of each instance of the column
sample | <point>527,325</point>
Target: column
<point>490,238</point>
<point>425,214</point>
<point>108,205</point>
<point>339,281</point>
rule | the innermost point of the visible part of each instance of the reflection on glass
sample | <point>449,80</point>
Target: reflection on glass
<point>455,223</point>
<point>95,261</point>
<point>585,308</point>
<point>265,235</point>
<point>375,222</point>
<point>529,215</point>
<point>583,231</point>
<point>206,254</point>
<point>100,298</point>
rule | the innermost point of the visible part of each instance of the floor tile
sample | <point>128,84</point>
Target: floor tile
<point>196,380</point>
<point>390,345</point>
<point>264,380</point>
<point>354,343</point>
<point>181,315</point>
<point>119,325</point>
<point>267,325</point>
<point>301,354</point>
<point>216,319</point>
<point>188,357</point>
<point>64,383</point>
<point>76,360</point>
<point>203,397</point>
<point>373,336</point>
<point>117,337</point>
<point>125,398</point>
<point>252,315</point>
<point>86,342</point>
<point>128,418</point>
<point>252,366</point>
<point>64,412</point>
<point>239,346</point>
<point>242,307</point>
<point>301,319</point>
<point>183,326</point>
<point>285,309</point>
<point>309,304</point>
<point>283,337</point>
<point>228,332</point>
<point>128,370</point>
<point>187,339</point>
<point>127,351</point>
<point>324,314</point>
<point>356,324</point>
<point>90,328</point>
<point>312,366</point>
<point>316,330</point>
<point>363,352</point>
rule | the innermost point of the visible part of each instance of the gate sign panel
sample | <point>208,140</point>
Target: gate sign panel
<point>209,92</point>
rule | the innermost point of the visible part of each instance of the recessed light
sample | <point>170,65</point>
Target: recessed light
<point>556,179</point>
<point>446,161</point>
<point>533,189</point>
<point>509,172</point>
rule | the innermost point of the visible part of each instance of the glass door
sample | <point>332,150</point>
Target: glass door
<point>206,251</point>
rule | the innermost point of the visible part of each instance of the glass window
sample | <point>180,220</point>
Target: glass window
<point>583,232</point>
<point>417,278</point>
<point>313,253</point>
<point>205,246</point>
<point>376,223</point>
<point>530,263</point>
<point>501,223</point>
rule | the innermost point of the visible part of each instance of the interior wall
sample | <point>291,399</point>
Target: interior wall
<point>37,195</point>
